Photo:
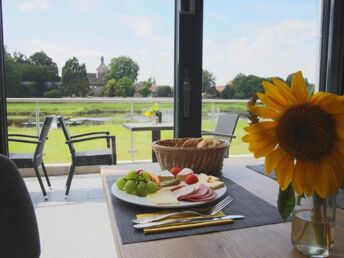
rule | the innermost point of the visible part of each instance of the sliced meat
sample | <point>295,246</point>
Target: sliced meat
<point>184,191</point>
<point>208,198</point>
<point>176,187</point>
<point>201,191</point>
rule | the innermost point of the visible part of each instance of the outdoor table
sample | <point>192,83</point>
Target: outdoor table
<point>156,133</point>
<point>263,241</point>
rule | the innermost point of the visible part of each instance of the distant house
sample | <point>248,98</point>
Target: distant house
<point>96,80</point>
<point>220,88</point>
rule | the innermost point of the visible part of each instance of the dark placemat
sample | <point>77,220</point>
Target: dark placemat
<point>257,212</point>
<point>261,169</point>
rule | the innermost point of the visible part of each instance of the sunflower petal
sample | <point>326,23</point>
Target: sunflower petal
<point>263,112</point>
<point>284,89</point>
<point>261,127</point>
<point>272,91</point>
<point>273,159</point>
<point>263,148</point>
<point>310,169</point>
<point>299,177</point>
<point>299,86</point>
<point>270,103</point>
<point>257,137</point>
<point>285,171</point>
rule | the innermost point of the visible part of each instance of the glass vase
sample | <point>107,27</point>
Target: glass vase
<point>313,222</point>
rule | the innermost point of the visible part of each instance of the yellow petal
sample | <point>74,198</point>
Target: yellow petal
<point>270,103</point>
<point>257,137</point>
<point>339,146</point>
<point>285,171</point>
<point>299,87</point>
<point>263,112</point>
<point>261,127</point>
<point>266,150</point>
<point>284,89</point>
<point>272,91</point>
<point>311,169</point>
<point>272,159</point>
<point>299,177</point>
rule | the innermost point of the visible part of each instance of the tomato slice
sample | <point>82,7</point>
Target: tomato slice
<point>175,170</point>
<point>191,179</point>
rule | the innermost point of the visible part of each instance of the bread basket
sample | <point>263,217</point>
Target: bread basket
<point>208,160</point>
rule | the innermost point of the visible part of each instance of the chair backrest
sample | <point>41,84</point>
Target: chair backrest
<point>42,138</point>
<point>226,123</point>
<point>19,235</point>
<point>66,134</point>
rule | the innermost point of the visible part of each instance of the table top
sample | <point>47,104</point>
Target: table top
<point>148,126</point>
<point>265,241</point>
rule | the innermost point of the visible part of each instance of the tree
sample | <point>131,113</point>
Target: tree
<point>41,58</point>
<point>208,81</point>
<point>109,88</point>
<point>164,91</point>
<point>13,76</point>
<point>146,88</point>
<point>228,92</point>
<point>74,78</point>
<point>121,88</point>
<point>122,66</point>
<point>246,86</point>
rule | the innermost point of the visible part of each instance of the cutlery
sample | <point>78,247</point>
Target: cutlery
<point>215,209</point>
<point>191,220</point>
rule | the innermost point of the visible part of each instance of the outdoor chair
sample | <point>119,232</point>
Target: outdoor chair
<point>19,235</point>
<point>225,128</point>
<point>33,160</point>
<point>91,157</point>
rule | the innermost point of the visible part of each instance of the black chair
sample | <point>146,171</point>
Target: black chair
<point>19,236</point>
<point>33,160</point>
<point>225,128</point>
<point>88,158</point>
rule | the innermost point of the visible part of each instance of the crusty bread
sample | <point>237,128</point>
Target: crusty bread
<point>192,142</point>
<point>206,143</point>
<point>179,142</point>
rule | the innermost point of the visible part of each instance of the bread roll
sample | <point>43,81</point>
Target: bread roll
<point>192,142</point>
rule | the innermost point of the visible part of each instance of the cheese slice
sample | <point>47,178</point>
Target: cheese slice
<point>162,196</point>
<point>165,175</point>
<point>210,181</point>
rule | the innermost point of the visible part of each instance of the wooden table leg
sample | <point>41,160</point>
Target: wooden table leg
<point>156,135</point>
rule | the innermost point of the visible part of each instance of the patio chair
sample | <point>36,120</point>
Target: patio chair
<point>33,160</point>
<point>88,158</point>
<point>225,128</point>
<point>19,235</point>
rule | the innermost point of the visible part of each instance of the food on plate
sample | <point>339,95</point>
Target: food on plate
<point>211,181</point>
<point>137,183</point>
<point>191,179</point>
<point>170,187</point>
<point>165,176</point>
<point>195,193</point>
<point>191,142</point>
<point>175,170</point>
<point>206,143</point>
<point>171,182</point>
<point>162,196</point>
<point>184,173</point>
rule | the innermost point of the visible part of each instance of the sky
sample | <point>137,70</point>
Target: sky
<point>261,37</point>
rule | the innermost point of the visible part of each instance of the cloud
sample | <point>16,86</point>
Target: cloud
<point>274,50</point>
<point>86,7</point>
<point>141,25</point>
<point>33,5</point>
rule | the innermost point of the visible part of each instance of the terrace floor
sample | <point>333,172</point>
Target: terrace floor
<point>79,227</point>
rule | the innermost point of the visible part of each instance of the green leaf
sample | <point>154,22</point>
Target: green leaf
<point>286,202</point>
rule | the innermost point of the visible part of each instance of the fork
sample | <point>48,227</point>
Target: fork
<point>215,209</point>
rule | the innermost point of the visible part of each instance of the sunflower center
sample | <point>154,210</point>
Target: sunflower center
<point>306,132</point>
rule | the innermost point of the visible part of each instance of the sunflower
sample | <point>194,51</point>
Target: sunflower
<point>301,135</point>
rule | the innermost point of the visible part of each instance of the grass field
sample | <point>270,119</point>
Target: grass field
<point>56,151</point>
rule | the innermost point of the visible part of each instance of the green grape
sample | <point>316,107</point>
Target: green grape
<point>120,183</point>
<point>132,175</point>
<point>141,189</point>
<point>129,186</point>
<point>145,175</point>
<point>152,187</point>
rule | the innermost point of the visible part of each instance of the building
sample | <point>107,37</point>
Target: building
<point>96,80</point>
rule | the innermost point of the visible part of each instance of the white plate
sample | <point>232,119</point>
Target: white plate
<point>143,201</point>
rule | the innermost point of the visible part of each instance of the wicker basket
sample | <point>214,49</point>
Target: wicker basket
<point>207,160</point>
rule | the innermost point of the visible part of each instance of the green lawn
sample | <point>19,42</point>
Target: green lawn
<point>56,150</point>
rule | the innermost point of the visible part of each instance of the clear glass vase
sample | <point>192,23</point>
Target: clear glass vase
<point>313,222</point>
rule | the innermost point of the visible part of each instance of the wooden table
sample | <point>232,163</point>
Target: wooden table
<point>156,133</point>
<point>271,241</point>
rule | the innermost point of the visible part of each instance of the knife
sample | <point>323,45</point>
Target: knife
<point>191,220</point>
